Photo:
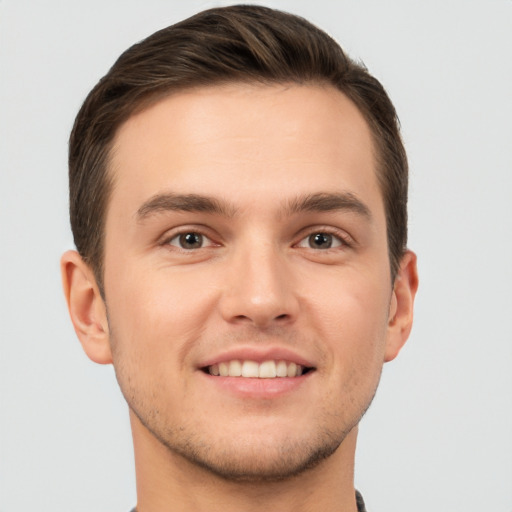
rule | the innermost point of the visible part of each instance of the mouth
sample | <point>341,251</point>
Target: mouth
<point>270,369</point>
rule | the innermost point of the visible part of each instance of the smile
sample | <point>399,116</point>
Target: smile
<point>270,369</point>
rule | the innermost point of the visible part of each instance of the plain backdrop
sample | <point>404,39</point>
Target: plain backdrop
<point>439,434</point>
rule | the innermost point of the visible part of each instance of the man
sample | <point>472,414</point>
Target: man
<point>238,193</point>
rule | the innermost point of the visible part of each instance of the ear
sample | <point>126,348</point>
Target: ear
<point>401,306</point>
<point>86,307</point>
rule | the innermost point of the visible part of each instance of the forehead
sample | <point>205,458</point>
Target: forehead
<point>246,142</point>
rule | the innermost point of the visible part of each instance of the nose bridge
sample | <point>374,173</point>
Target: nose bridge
<point>259,286</point>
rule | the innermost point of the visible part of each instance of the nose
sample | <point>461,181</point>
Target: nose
<point>259,289</point>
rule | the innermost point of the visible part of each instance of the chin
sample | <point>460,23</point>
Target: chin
<point>258,457</point>
<point>263,466</point>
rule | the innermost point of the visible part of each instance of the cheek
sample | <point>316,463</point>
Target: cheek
<point>158,312</point>
<point>151,324</point>
<point>348,298</point>
<point>349,310</point>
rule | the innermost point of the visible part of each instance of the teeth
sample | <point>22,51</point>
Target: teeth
<point>265,370</point>
<point>249,369</point>
<point>223,369</point>
<point>282,369</point>
<point>235,369</point>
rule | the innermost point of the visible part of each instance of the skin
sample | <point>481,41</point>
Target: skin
<point>257,284</point>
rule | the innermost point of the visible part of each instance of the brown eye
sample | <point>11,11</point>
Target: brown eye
<point>321,241</point>
<point>188,241</point>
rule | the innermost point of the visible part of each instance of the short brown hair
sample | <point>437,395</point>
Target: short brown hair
<point>231,44</point>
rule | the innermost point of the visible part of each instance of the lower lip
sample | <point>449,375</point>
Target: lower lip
<point>247,387</point>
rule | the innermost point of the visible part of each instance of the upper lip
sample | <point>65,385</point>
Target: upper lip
<point>258,354</point>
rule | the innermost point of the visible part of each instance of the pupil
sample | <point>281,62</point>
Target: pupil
<point>191,240</point>
<point>321,240</point>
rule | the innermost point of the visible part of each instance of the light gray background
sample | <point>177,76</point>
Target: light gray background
<point>439,435</point>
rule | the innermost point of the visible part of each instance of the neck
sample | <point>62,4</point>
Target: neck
<point>167,479</point>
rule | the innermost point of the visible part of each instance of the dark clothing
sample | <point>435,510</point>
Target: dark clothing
<point>359,501</point>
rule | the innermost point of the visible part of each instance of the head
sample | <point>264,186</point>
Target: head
<point>238,201</point>
<point>238,44</point>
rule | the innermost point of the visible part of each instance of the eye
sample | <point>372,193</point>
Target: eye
<point>321,240</point>
<point>190,240</point>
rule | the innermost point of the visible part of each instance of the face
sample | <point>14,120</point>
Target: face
<point>247,277</point>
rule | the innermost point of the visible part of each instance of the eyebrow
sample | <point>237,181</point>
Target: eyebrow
<point>184,203</point>
<point>318,202</point>
<point>328,202</point>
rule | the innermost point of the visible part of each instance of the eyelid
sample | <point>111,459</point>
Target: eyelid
<point>345,239</point>
<point>171,234</point>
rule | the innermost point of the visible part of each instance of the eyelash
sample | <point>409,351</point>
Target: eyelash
<point>201,232</point>
<point>344,240</point>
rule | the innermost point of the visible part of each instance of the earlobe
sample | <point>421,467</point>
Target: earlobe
<point>86,307</point>
<point>401,306</point>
